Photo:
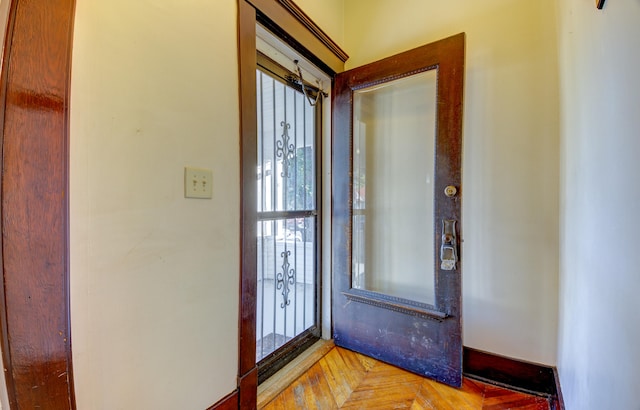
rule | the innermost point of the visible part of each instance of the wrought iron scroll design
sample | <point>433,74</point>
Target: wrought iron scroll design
<point>285,150</point>
<point>285,278</point>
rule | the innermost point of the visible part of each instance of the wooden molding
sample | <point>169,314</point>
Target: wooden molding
<point>248,128</point>
<point>297,12</point>
<point>293,26</point>
<point>557,403</point>
<point>34,109</point>
<point>514,374</point>
<point>230,402</point>
<point>248,390</point>
<point>6,356</point>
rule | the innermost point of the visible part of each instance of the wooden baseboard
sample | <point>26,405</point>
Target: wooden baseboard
<point>558,402</point>
<point>514,374</point>
<point>227,403</point>
<point>247,390</point>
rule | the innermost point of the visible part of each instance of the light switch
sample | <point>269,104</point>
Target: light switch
<point>198,182</point>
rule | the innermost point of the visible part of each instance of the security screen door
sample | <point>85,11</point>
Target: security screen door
<point>288,217</point>
<point>397,136</point>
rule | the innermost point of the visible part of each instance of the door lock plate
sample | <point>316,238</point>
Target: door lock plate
<point>448,249</point>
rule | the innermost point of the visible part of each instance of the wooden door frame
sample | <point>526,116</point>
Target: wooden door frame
<point>34,113</point>
<point>287,20</point>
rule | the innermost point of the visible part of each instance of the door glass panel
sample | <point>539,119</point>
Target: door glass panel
<point>393,177</point>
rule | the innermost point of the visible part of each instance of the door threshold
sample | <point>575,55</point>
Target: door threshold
<point>275,384</point>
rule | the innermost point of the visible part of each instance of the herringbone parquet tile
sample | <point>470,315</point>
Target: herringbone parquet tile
<point>346,380</point>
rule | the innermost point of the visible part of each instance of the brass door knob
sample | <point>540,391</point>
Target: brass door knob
<point>450,191</point>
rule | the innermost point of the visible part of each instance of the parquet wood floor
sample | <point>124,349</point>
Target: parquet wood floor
<point>346,380</point>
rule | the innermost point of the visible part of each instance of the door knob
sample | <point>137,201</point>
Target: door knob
<point>450,191</point>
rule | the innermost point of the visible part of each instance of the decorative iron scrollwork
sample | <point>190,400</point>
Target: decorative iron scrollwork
<point>285,278</point>
<point>285,150</point>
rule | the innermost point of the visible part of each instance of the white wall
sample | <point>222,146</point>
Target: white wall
<point>599,353</point>
<point>511,148</point>
<point>154,276</point>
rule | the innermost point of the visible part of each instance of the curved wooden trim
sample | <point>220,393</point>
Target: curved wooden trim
<point>34,108</point>
<point>4,332</point>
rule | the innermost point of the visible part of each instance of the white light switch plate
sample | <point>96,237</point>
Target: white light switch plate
<point>198,182</point>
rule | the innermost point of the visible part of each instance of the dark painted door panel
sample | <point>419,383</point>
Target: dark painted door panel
<point>395,323</point>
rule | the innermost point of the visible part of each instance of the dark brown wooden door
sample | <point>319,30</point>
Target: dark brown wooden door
<point>397,137</point>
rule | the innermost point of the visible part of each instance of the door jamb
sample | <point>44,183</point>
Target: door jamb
<point>282,17</point>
